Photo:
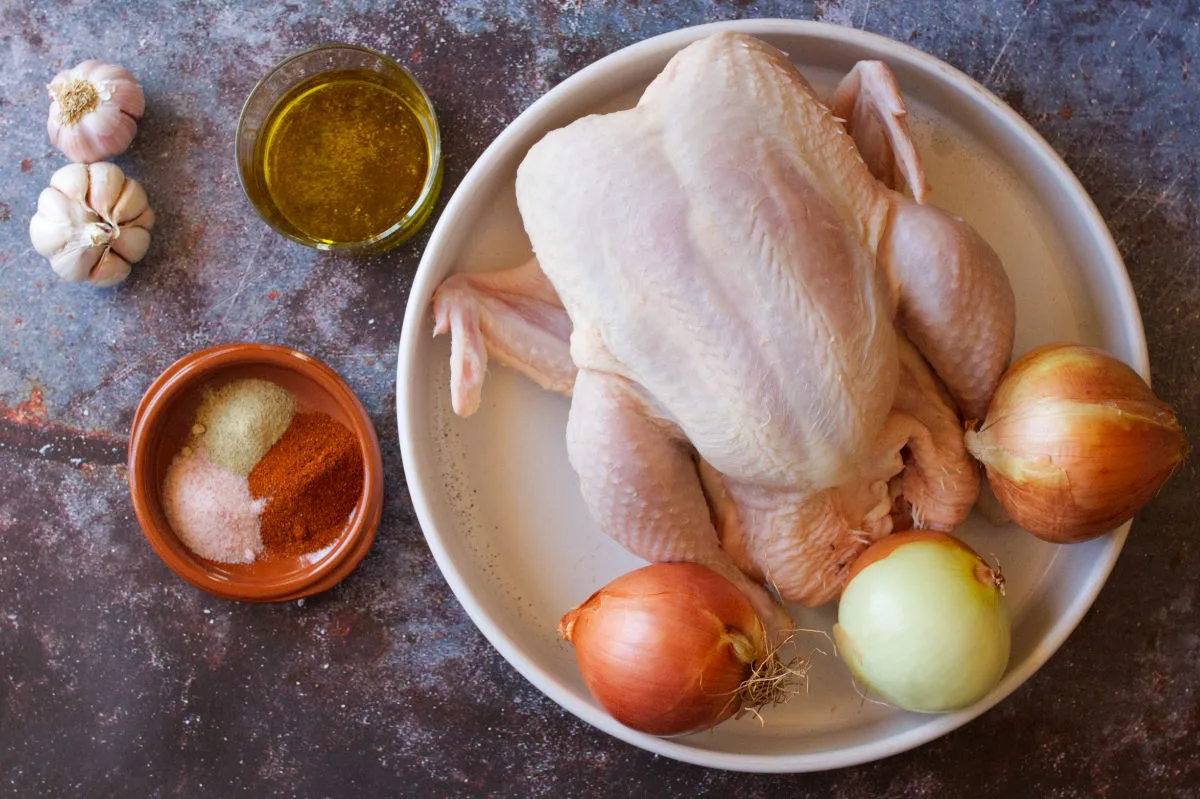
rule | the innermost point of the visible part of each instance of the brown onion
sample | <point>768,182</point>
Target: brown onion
<point>667,649</point>
<point>1075,443</point>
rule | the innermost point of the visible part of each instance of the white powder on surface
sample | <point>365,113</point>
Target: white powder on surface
<point>210,508</point>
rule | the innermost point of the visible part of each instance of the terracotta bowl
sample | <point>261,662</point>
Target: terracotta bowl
<point>161,426</point>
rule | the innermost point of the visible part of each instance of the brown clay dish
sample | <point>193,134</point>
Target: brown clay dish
<point>160,428</point>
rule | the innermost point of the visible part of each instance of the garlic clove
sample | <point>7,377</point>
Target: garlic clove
<point>72,180</point>
<point>75,263</point>
<point>130,204</point>
<point>49,236</point>
<point>110,270</point>
<point>118,86</point>
<point>107,130</point>
<point>56,222</point>
<point>75,143</point>
<point>106,182</point>
<point>132,244</point>
<point>143,220</point>
<point>63,208</point>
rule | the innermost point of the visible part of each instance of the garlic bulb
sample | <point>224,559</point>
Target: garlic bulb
<point>92,223</point>
<point>1075,442</point>
<point>94,111</point>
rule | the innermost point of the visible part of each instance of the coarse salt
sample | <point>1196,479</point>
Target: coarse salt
<point>210,508</point>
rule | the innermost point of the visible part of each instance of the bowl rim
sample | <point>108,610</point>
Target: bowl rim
<point>193,368</point>
<point>421,208</point>
<point>409,384</point>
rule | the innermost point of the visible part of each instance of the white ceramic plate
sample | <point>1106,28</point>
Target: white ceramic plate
<point>500,505</point>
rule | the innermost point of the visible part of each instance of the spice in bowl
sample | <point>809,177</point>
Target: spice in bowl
<point>261,477</point>
<point>310,480</point>
<point>211,510</point>
<point>240,421</point>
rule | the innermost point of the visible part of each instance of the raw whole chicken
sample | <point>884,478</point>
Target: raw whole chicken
<point>767,343</point>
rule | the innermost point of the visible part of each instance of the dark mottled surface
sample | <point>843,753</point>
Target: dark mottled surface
<point>118,679</point>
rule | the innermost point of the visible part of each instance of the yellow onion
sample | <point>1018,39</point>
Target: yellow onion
<point>1075,443</point>
<point>667,649</point>
<point>922,622</point>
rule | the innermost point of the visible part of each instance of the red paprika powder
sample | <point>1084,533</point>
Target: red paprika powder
<point>311,478</point>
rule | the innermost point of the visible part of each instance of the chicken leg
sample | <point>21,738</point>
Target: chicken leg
<point>639,480</point>
<point>940,481</point>
<point>953,300</point>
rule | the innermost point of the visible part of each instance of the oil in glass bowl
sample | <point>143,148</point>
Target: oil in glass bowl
<point>347,158</point>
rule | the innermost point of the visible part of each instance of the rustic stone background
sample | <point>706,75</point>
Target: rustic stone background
<point>116,678</point>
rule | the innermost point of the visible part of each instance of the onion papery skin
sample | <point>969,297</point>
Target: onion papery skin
<point>923,622</point>
<point>665,649</point>
<point>1075,443</point>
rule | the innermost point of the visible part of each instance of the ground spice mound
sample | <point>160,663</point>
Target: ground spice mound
<point>311,478</point>
<point>210,509</point>
<point>239,422</point>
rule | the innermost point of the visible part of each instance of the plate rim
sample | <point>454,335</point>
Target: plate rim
<point>407,385</point>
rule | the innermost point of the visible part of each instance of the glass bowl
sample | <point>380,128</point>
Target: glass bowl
<point>305,67</point>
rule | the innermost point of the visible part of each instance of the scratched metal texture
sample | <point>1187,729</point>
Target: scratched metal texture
<point>118,679</point>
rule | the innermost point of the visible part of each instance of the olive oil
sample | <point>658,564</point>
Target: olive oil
<point>343,157</point>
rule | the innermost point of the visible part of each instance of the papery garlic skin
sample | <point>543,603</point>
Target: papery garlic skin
<point>92,223</point>
<point>94,111</point>
<point>1075,443</point>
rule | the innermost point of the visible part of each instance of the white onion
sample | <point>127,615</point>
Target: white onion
<point>923,623</point>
